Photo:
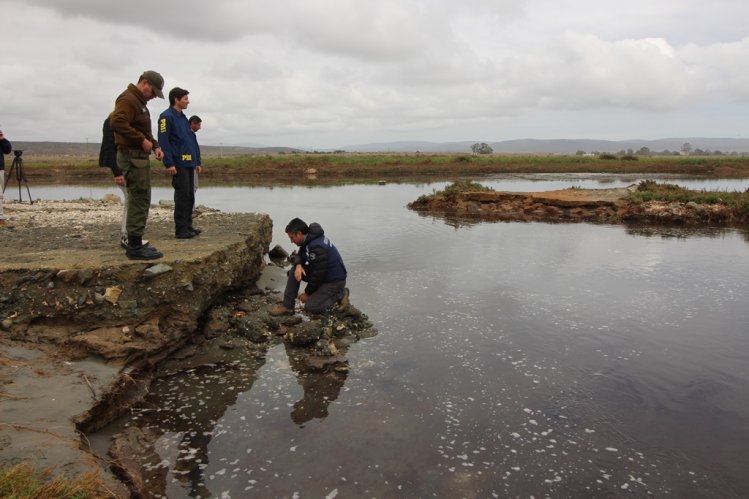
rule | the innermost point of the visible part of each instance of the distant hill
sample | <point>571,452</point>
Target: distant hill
<point>559,146</point>
<point>521,146</point>
<point>83,149</point>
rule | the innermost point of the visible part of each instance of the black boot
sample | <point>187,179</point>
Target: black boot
<point>137,251</point>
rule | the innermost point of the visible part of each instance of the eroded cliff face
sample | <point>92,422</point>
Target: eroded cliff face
<point>81,326</point>
<point>65,280</point>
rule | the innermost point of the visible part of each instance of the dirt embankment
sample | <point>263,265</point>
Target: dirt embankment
<point>82,327</point>
<point>609,206</point>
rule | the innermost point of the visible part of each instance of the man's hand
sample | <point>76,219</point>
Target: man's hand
<point>119,180</point>
<point>147,145</point>
<point>299,272</point>
<point>171,170</point>
<point>303,297</point>
<point>159,154</point>
<point>199,169</point>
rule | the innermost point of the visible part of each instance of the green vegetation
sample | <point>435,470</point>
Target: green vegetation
<point>450,192</point>
<point>481,148</point>
<point>453,190</point>
<point>415,166</point>
<point>23,482</point>
<point>649,190</point>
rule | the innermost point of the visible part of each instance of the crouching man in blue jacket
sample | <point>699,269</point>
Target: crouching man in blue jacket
<point>320,265</point>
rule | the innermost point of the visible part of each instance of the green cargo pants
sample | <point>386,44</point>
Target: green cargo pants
<point>136,168</point>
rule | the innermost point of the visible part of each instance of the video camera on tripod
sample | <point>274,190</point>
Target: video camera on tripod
<point>17,167</point>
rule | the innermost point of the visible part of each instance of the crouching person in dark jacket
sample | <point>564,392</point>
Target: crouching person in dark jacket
<point>320,265</point>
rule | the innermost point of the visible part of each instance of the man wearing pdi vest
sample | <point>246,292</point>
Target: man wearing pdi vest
<point>181,155</point>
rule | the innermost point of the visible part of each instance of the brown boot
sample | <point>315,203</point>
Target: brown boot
<point>281,310</point>
<point>344,301</point>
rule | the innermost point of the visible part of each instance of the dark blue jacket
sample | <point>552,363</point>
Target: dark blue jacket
<point>5,148</point>
<point>108,150</point>
<point>197,146</point>
<point>320,259</point>
<point>177,140</point>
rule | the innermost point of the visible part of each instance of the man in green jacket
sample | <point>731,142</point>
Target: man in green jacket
<point>131,123</point>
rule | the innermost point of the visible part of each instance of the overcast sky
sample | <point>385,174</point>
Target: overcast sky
<point>329,73</point>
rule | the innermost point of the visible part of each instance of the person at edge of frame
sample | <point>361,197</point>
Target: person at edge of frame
<point>5,148</point>
<point>131,123</point>
<point>180,159</point>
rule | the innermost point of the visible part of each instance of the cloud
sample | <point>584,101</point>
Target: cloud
<point>328,72</point>
<point>718,69</point>
<point>583,71</point>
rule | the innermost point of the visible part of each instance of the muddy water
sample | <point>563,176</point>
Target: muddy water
<point>511,359</point>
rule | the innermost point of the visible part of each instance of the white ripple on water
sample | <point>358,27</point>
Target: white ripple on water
<point>541,445</point>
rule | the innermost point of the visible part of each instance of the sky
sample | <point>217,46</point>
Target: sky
<point>324,74</point>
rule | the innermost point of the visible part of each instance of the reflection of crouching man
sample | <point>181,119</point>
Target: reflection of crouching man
<point>319,264</point>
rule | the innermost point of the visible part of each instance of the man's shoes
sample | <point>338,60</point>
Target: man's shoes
<point>196,231</point>
<point>281,310</point>
<point>185,235</point>
<point>344,301</point>
<point>143,252</point>
<point>124,243</point>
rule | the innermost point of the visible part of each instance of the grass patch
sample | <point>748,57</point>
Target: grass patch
<point>650,190</point>
<point>451,192</point>
<point>24,482</point>
<point>413,165</point>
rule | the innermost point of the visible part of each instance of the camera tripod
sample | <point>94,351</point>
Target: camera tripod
<point>17,166</point>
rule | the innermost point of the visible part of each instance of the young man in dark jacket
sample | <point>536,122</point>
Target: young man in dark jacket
<point>5,148</point>
<point>181,159</point>
<point>318,263</point>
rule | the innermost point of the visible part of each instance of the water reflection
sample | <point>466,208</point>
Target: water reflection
<point>321,383</point>
<point>666,232</point>
<point>466,221</point>
<point>184,413</point>
<point>211,392</point>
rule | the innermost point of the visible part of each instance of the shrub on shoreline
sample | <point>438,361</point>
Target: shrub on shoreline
<point>650,190</point>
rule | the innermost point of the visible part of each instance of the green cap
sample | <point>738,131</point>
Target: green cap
<point>156,81</point>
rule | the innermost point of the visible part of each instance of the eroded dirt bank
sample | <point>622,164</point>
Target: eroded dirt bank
<point>82,327</point>
<point>574,205</point>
